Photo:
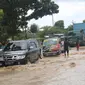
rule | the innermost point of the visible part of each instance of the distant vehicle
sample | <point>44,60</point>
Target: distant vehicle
<point>20,52</point>
<point>51,46</point>
<point>58,35</point>
<point>72,41</point>
<point>54,35</point>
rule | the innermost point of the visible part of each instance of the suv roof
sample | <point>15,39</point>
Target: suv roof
<point>24,40</point>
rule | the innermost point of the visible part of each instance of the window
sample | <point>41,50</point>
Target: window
<point>16,46</point>
<point>33,45</point>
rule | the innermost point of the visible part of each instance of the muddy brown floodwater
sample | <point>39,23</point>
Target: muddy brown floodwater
<point>48,71</point>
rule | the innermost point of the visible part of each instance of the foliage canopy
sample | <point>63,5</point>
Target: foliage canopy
<point>16,13</point>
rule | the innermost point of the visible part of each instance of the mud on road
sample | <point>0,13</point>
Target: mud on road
<point>47,71</point>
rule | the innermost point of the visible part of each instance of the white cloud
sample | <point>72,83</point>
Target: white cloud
<point>68,11</point>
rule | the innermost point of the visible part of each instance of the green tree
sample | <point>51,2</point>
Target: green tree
<point>81,31</point>
<point>45,27</point>
<point>81,34</point>
<point>34,28</point>
<point>15,13</point>
<point>83,21</point>
<point>50,30</point>
<point>3,33</point>
<point>45,31</point>
<point>56,30</point>
<point>59,24</point>
<point>70,28</point>
<point>1,14</point>
<point>71,33</point>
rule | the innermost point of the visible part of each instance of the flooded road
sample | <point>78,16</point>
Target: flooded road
<point>47,71</point>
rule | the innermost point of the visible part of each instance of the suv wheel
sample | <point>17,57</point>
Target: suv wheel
<point>33,58</point>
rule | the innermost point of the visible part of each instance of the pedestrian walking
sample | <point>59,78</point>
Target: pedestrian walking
<point>77,44</point>
<point>66,47</point>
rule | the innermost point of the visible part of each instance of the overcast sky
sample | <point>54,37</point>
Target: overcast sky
<point>69,11</point>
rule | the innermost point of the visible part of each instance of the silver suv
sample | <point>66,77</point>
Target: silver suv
<point>20,52</point>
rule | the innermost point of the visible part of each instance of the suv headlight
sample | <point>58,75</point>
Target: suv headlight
<point>19,57</point>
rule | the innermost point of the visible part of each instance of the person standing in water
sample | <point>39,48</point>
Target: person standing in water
<point>77,44</point>
<point>66,47</point>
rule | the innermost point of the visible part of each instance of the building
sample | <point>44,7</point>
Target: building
<point>77,27</point>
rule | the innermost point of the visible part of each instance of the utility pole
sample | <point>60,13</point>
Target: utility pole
<point>52,20</point>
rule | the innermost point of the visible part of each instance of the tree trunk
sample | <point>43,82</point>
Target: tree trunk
<point>12,37</point>
<point>25,34</point>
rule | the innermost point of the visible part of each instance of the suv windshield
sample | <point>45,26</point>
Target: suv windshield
<point>15,46</point>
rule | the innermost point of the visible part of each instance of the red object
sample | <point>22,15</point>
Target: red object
<point>77,46</point>
<point>55,47</point>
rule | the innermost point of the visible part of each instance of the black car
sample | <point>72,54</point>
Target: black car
<point>20,52</point>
